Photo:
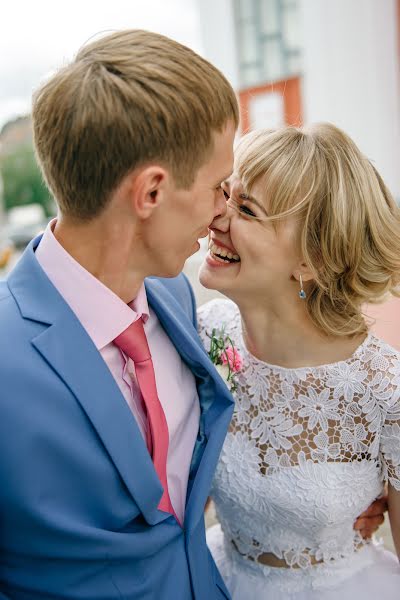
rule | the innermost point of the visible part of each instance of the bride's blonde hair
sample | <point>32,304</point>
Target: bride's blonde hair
<point>349,223</point>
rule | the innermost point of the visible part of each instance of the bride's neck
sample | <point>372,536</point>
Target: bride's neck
<point>286,336</point>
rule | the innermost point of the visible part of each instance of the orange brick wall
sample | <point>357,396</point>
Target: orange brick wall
<point>291,92</point>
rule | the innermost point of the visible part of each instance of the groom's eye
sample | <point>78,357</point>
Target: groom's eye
<point>227,196</point>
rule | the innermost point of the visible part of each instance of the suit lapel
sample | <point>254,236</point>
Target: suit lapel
<point>179,329</point>
<point>183,335</point>
<point>67,348</point>
<point>216,403</point>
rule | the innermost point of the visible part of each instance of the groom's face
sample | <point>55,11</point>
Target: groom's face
<point>187,214</point>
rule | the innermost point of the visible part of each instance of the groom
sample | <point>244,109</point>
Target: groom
<point>112,417</point>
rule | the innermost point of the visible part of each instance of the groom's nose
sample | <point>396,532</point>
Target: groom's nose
<point>221,219</point>
<point>220,204</point>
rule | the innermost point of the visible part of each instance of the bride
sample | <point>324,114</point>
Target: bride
<point>311,234</point>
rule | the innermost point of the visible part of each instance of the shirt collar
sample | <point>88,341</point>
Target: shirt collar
<point>101,312</point>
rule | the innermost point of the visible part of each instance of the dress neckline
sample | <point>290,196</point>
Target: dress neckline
<point>358,351</point>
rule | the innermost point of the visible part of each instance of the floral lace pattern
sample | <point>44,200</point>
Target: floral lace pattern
<point>307,451</point>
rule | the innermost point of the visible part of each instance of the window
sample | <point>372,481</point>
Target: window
<point>268,40</point>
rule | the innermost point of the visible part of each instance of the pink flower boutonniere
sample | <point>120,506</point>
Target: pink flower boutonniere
<point>226,357</point>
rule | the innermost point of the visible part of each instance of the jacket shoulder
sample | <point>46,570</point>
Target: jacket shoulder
<point>4,291</point>
<point>8,307</point>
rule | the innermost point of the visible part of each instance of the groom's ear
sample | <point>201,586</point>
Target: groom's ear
<point>147,190</point>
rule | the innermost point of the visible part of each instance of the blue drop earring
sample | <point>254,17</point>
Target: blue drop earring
<point>302,293</point>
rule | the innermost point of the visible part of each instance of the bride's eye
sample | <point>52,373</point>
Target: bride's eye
<point>246,210</point>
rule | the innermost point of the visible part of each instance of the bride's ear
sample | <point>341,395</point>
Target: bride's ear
<point>304,271</point>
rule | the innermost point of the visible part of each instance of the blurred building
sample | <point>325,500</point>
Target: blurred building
<point>302,61</point>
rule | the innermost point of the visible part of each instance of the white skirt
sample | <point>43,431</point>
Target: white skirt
<point>371,573</point>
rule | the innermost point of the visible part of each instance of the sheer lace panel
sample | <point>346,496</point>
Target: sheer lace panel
<point>308,449</point>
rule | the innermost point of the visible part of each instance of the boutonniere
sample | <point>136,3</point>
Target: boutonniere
<point>225,357</point>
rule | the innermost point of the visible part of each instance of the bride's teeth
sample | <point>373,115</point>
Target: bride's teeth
<point>219,252</point>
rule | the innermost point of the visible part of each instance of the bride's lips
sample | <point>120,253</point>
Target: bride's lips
<point>221,245</point>
<point>214,260</point>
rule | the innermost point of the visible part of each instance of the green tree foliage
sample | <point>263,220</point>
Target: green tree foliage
<point>22,180</point>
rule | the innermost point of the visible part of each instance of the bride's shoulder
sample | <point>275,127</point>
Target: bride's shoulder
<point>380,355</point>
<point>215,314</point>
<point>381,365</point>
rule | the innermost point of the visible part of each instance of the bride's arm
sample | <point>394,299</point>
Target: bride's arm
<point>394,516</point>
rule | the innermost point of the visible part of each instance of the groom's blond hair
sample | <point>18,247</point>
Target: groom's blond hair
<point>129,98</point>
<point>349,223</point>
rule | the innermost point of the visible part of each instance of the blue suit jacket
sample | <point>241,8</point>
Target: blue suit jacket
<point>78,493</point>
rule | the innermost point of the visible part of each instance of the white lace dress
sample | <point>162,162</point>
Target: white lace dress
<point>307,451</point>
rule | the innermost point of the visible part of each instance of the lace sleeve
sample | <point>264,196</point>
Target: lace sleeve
<point>390,434</point>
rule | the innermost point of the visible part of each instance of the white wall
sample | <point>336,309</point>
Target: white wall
<point>350,69</point>
<point>217,30</point>
<point>351,75</point>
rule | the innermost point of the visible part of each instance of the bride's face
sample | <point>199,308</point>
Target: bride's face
<point>250,256</point>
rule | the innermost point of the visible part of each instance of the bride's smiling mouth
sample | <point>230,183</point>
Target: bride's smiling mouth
<point>221,253</point>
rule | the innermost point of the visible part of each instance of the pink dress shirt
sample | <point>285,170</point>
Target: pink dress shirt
<point>104,316</point>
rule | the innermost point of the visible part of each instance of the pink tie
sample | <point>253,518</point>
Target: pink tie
<point>133,342</point>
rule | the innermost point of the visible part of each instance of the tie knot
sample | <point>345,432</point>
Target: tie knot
<point>133,342</point>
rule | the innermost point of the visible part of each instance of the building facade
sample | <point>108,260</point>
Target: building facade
<point>303,61</point>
